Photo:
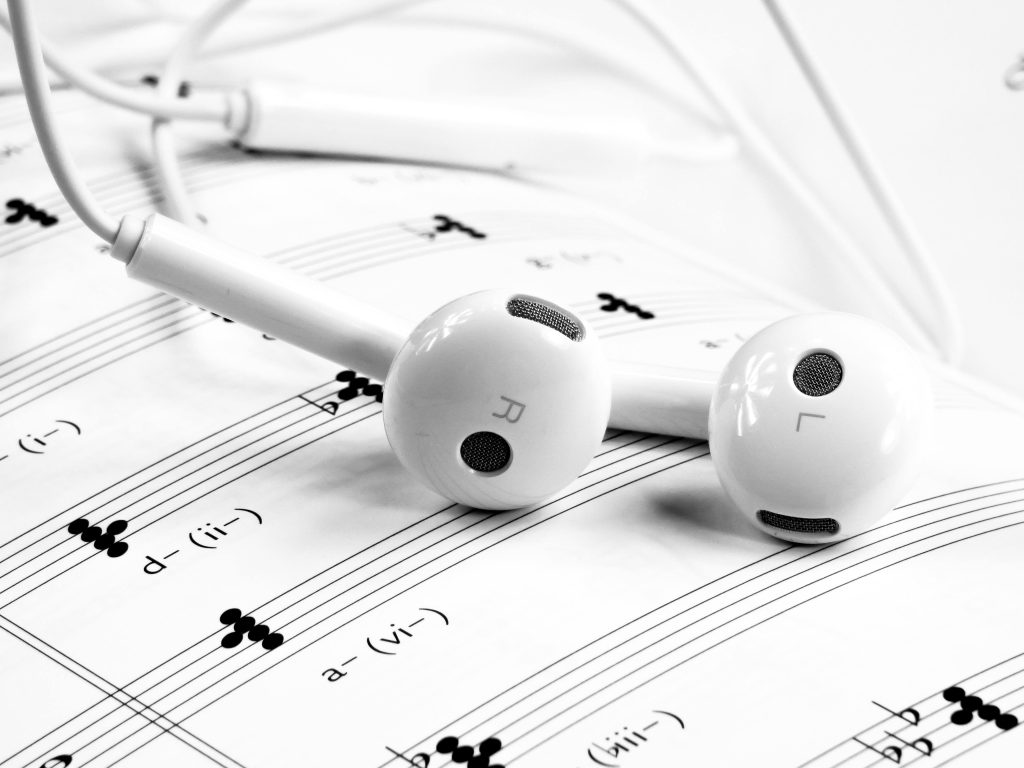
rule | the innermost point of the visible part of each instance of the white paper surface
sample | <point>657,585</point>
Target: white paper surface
<point>633,620</point>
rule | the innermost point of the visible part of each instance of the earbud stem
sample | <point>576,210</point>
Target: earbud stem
<point>660,399</point>
<point>288,306</point>
<point>259,293</point>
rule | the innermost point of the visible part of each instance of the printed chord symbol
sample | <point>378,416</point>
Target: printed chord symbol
<point>971,704</point>
<point>247,626</point>
<point>22,210</point>
<point>102,540</point>
<point>468,755</point>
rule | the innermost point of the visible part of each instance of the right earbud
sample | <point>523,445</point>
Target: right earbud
<point>498,400</point>
<point>818,425</point>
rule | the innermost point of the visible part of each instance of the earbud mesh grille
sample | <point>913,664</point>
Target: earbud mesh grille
<point>798,524</point>
<point>485,452</point>
<point>528,309</point>
<point>817,374</point>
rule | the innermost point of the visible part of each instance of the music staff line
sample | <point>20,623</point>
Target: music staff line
<point>187,471</point>
<point>259,467</point>
<point>961,734</point>
<point>191,471</point>
<point>128,194</point>
<point>118,340</point>
<point>675,666</point>
<point>404,544</point>
<point>286,401</point>
<point>168,312</point>
<point>401,245</point>
<point>620,324</point>
<point>214,476</point>
<point>397,233</point>
<point>919,707</point>
<point>947,505</point>
<point>501,227</point>
<point>281,659</point>
<point>479,520</point>
<point>108,689</point>
<point>657,675</point>
<point>174,329</point>
<point>971,748</point>
<point>336,246</point>
<point>72,331</point>
<point>946,723</point>
<point>610,437</point>
<point>259,608</point>
<point>449,727</point>
<point>215,633</point>
<point>138,191</point>
<point>490,724</point>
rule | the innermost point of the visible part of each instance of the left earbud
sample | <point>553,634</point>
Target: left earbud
<point>819,425</point>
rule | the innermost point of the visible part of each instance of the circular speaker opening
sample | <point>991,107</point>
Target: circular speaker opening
<point>817,374</point>
<point>485,452</point>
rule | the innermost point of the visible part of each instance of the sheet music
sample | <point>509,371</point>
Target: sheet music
<point>208,555</point>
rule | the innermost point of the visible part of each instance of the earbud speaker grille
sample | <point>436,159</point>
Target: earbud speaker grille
<point>530,309</point>
<point>485,452</point>
<point>817,374</point>
<point>824,525</point>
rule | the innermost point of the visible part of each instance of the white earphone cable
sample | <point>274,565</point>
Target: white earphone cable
<point>37,93</point>
<point>758,143</point>
<point>169,176</point>
<point>910,241</point>
<point>106,90</point>
<point>167,107</point>
<point>179,205</point>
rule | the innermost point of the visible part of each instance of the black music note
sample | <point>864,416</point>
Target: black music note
<point>356,385</point>
<point>447,224</point>
<point>102,540</point>
<point>22,210</point>
<point>468,754</point>
<point>246,625</point>
<point>971,704</point>
<point>615,303</point>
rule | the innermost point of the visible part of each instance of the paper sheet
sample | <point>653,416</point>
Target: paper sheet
<point>208,555</point>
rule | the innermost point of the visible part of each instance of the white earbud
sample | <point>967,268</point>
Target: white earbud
<point>818,425</point>
<point>498,399</point>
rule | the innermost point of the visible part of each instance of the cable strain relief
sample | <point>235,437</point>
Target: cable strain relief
<point>126,241</point>
<point>238,112</point>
